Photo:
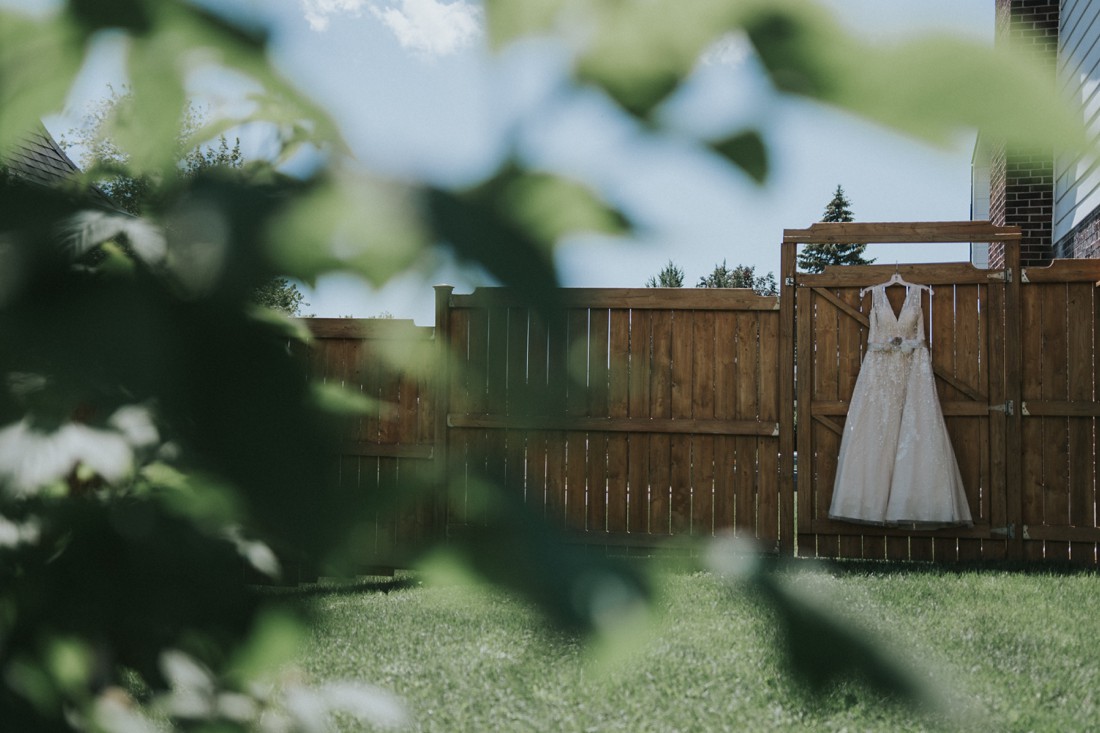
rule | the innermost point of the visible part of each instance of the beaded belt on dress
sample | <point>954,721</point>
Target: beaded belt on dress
<point>895,344</point>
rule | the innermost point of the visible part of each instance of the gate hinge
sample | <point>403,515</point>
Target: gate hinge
<point>1007,408</point>
<point>789,281</point>
<point>1008,531</point>
<point>998,275</point>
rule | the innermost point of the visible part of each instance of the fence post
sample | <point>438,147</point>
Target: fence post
<point>442,399</point>
<point>787,527</point>
<point>1013,391</point>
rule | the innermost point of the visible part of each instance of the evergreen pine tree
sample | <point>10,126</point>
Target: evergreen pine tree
<point>669,277</point>
<point>815,257</point>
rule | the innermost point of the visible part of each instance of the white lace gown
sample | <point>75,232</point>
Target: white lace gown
<point>896,464</point>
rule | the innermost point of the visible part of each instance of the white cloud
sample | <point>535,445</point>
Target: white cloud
<point>318,12</point>
<point>432,27</point>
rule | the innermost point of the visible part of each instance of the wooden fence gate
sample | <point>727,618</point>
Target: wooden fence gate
<point>1014,353</point>
<point>634,416</point>
<point>628,417</point>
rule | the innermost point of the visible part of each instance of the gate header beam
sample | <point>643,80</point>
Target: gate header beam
<point>900,232</point>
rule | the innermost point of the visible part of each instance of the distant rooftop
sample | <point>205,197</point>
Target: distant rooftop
<point>39,159</point>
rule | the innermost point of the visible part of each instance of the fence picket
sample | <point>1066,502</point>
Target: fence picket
<point>680,477</point>
<point>1031,342</point>
<point>768,376</point>
<point>618,406</point>
<point>1054,369</point>
<point>1081,387</point>
<point>639,401</point>
<point>660,462</point>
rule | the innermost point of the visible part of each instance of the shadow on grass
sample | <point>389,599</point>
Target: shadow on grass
<point>898,567</point>
<point>338,588</point>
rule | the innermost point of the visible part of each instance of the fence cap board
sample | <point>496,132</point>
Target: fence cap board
<point>931,273</point>
<point>900,232</point>
<point>367,328</point>
<point>1063,271</point>
<point>629,298</point>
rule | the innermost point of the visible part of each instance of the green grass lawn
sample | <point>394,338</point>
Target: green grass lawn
<point>1008,651</point>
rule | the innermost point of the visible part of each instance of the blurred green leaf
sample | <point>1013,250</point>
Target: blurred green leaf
<point>175,39</point>
<point>355,223</point>
<point>27,679</point>
<point>203,499</point>
<point>952,84</point>
<point>479,232</point>
<point>514,549</point>
<point>291,327</point>
<point>243,49</point>
<point>550,208</point>
<point>747,151</point>
<point>637,52</point>
<point>38,61</point>
<point>70,662</point>
<point>130,15</point>
<point>150,131</point>
<point>640,52</point>
<point>273,641</point>
<point>511,223</point>
<point>799,44</point>
<point>339,400</point>
<point>932,87</point>
<point>820,649</point>
<point>508,20</point>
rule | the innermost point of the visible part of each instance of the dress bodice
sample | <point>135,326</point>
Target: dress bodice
<point>888,331</point>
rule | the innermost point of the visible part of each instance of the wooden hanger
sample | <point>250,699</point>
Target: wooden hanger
<point>896,279</point>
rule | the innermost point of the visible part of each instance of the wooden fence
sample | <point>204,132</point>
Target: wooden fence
<point>627,417</point>
<point>634,416</point>
<point>391,444</point>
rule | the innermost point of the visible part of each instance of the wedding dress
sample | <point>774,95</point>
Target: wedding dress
<point>896,464</point>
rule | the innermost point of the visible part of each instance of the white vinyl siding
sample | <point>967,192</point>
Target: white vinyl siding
<point>1077,179</point>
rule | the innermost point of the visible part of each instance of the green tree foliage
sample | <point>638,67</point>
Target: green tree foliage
<point>670,276</point>
<point>280,294</point>
<point>108,167</point>
<point>816,257</point>
<point>741,276</point>
<point>156,436</point>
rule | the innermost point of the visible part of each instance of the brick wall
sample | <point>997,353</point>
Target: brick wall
<point>1022,180</point>
<point>1083,241</point>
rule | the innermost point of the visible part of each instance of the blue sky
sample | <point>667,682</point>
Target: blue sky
<point>418,95</point>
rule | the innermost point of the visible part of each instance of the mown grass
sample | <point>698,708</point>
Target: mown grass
<point>1008,651</point>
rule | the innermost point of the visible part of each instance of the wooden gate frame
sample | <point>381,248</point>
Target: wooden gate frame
<point>893,233</point>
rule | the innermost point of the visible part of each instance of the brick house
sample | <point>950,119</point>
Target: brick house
<point>1056,202</point>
